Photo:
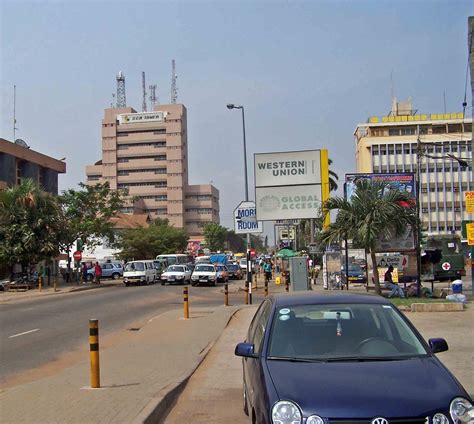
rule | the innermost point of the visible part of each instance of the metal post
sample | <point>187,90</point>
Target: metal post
<point>346,248</point>
<point>186,303</point>
<point>94,353</point>
<point>418,219</point>
<point>40,283</point>
<point>226,294</point>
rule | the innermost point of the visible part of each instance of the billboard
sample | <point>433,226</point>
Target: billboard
<point>302,201</point>
<point>287,168</point>
<point>245,219</point>
<point>404,181</point>
<point>131,118</point>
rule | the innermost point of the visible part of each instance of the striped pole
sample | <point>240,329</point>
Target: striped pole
<point>266,287</point>
<point>226,294</point>
<point>94,352</point>
<point>40,283</point>
<point>186,303</point>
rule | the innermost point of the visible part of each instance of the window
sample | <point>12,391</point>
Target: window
<point>393,131</point>
<point>258,326</point>
<point>408,131</point>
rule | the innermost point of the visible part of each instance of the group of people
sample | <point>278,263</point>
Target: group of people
<point>97,272</point>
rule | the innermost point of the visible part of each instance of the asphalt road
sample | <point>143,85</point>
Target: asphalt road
<point>36,332</point>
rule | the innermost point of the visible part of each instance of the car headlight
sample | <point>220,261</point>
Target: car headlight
<point>314,419</point>
<point>286,412</point>
<point>440,419</point>
<point>461,410</point>
<point>212,277</point>
<point>179,277</point>
<point>194,277</point>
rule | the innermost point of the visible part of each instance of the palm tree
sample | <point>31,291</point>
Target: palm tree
<point>333,178</point>
<point>370,214</point>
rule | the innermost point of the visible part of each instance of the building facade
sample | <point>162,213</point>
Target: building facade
<point>147,154</point>
<point>390,144</point>
<point>18,161</point>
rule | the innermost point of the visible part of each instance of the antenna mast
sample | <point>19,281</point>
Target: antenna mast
<point>14,113</point>
<point>121,100</point>
<point>153,98</point>
<point>174,89</point>
<point>144,92</point>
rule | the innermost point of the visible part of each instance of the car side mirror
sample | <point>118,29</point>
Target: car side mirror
<point>246,350</point>
<point>438,345</point>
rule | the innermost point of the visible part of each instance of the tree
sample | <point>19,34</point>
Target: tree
<point>370,214</point>
<point>215,236</point>
<point>333,178</point>
<point>29,225</point>
<point>148,242</point>
<point>86,215</point>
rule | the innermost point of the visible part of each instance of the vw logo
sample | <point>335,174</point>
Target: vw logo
<point>379,420</point>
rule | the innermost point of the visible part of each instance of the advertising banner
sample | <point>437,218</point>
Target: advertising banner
<point>298,201</point>
<point>131,118</point>
<point>396,181</point>
<point>287,168</point>
<point>469,199</point>
<point>245,219</point>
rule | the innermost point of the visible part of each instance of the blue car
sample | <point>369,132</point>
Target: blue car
<point>344,358</point>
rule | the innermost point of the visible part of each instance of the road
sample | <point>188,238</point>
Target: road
<point>41,331</point>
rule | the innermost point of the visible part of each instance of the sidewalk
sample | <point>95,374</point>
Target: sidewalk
<point>135,374</point>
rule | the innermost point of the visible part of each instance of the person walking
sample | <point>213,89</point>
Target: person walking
<point>84,272</point>
<point>98,272</point>
<point>389,284</point>
<point>267,269</point>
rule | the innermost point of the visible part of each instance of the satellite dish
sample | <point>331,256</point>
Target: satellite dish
<point>21,143</point>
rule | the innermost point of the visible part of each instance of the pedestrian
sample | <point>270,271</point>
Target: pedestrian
<point>97,272</point>
<point>389,284</point>
<point>267,269</point>
<point>84,272</point>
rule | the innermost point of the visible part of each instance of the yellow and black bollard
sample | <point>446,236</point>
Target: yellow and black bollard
<point>254,287</point>
<point>266,287</point>
<point>226,294</point>
<point>40,283</point>
<point>94,353</point>
<point>287,284</point>
<point>246,294</point>
<point>186,303</point>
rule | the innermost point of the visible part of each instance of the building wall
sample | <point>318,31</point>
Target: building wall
<point>150,159</point>
<point>392,147</point>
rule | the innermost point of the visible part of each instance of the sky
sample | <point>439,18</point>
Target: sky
<point>307,72</point>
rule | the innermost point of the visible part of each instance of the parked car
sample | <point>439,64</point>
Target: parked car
<point>356,274</point>
<point>234,271</point>
<point>159,268</point>
<point>204,274</point>
<point>222,274</point>
<point>112,270</point>
<point>139,272</point>
<point>179,274</point>
<point>338,357</point>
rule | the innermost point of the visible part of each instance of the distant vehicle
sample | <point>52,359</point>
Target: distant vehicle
<point>306,352</point>
<point>356,274</point>
<point>451,266</point>
<point>159,268</point>
<point>222,274</point>
<point>234,271</point>
<point>179,274</point>
<point>112,270</point>
<point>173,259</point>
<point>202,260</point>
<point>139,272</point>
<point>204,274</point>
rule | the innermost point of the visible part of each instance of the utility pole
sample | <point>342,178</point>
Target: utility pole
<point>418,219</point>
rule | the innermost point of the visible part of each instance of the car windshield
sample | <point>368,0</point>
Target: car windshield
<point>342,332</point>
<point>175,268</point>
<point>220,268</point>
<point>232,267</point>
<point>204,268</point>
<point>135,266</point>
<point>354,268</point>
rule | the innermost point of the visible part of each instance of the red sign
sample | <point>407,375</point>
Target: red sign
<point>446,266</point>
<point>253,253</point>
<point>77,255</point>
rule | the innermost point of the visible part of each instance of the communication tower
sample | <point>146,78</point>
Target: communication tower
<point>153,99</point>
<point>121,99</point>
<point>174,88</point>
<point>144,92</point>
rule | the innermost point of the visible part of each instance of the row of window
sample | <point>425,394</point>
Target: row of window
<point>440,208</point>
<point>128,159</point>
<point>159,211</point>
<point>200,211</point>
<point>139,171</point>
<point>160,197</point>
<point>93,177</point>
<point>155,131</point>
<point>199,196</point>
<point>155,144</point>
<point>448,147</point>
<point>143,184</point>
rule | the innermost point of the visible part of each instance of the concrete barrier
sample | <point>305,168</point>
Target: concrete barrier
<point>437,307</point>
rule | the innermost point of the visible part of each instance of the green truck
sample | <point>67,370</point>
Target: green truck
<point>448,249</point>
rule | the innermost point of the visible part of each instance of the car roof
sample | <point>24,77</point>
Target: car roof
<point>308,298</point>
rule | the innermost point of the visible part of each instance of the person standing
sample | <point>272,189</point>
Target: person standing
<point>84,272</point>
<point>389,284</point>
<point>98,272</point>
<point>267,269</point>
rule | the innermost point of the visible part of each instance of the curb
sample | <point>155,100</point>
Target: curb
<point>158,409</point>
<point>437,307</point>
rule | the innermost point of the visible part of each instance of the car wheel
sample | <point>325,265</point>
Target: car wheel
<point>115,276</point>
<point>244,398</point>
<point>127,284</point>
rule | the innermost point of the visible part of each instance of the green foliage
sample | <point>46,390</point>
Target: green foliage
<point>87,212</point>
<point>157,239</point>
<point>367,217</point>
<point>215,236</point>
<point>333,178</point>
<point>30,222</point>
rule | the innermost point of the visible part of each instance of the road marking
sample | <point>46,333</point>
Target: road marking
<point>22,334</point>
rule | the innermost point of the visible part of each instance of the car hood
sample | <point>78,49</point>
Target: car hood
<point>197,273</point>
<point>406,388</point>
<point>173,274</point>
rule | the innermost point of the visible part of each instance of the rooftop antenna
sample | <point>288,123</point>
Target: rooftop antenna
<point>113,101</point>
<point>14,113</point>
<point>444,100</point>
<point>144,92</point>
<point>121,99</point>
<point>174,89</point>
<point>153,98</point>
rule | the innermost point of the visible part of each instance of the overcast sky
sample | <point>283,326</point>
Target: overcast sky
<point>306,71</point>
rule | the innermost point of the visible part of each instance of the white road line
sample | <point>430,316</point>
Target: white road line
<point>22,334</point>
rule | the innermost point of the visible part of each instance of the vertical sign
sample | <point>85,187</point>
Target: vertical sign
<point>469,200</point>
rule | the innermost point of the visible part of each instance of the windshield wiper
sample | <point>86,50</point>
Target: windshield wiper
<point>293,359</point>
<point>366,358</point>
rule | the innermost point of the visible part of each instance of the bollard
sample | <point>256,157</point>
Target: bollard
<point>246,295</point>
<point>186,303</point>
<point>287,286</point>
<point>40,283</point>
<point>226,294</point>
<point>255,281</point>
<point>266,287</point>
<point>94,352</point>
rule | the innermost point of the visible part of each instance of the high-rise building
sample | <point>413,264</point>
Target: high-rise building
<point>147,153</point>
<point>389,144</point>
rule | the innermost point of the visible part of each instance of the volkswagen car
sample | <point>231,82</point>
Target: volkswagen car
<point>176,274</point>
<point>345,358</point>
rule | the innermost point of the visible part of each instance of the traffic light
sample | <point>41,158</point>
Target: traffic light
<point>79,245</point>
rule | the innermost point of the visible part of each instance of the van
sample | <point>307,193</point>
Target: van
<point>139,272</point>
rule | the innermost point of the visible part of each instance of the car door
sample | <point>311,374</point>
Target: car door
<point>106,270</point>
<point>253,373</point>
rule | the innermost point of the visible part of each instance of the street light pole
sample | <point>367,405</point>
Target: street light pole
<point>249,268</point>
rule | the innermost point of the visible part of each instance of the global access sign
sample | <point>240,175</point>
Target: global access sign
<point>245,219</point>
